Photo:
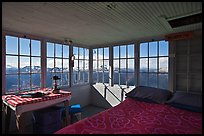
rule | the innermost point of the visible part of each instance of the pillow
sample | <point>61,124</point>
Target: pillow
<point>187,101</point>
<point>149,94</point>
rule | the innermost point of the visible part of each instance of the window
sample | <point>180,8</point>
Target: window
<point>23,65</point>
<point>154,64</point>
<point>57,63</point>
<point>81,65</point>
<point>123,63</point>
<point>101,65</point>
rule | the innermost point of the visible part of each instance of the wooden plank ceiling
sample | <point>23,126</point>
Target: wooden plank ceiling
<point>96,23</point>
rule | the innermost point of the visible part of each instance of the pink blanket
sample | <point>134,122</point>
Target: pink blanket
<point>136,117</point>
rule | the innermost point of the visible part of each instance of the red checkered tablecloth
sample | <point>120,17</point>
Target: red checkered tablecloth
<point>20,105</point>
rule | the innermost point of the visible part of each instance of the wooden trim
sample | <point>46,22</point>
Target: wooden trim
<point>179,36</point>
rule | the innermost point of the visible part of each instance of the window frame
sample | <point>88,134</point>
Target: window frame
<point>158,56</point>
<point>19,55</point>
<point>97,60</point>
<point>79,69</point>
<point>126,58</point>
<point>55,58</point>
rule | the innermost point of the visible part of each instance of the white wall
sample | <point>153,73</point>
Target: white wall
<point>81,94</point>
<point>188,64</point>
<point>106,99</point>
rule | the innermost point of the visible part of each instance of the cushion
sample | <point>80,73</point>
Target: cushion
<point>150,94</point>
<point>187,101</point>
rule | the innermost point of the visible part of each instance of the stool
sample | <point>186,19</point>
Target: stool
<point>74,111</point>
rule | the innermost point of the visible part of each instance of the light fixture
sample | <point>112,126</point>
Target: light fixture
<point>69,42</point>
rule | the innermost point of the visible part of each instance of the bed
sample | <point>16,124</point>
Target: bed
<point>135,116</point>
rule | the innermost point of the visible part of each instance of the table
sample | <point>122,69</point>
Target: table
<point>22,105</point>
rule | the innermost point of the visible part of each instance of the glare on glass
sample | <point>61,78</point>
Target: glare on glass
<point>152,64</point>
<point>81,64</point>
<point>144,65</point>
<point>75,65</point>
<point>130,65</point>
<point>11,45</point>
<point>100,65</point>
<point>94,65</point>
<point>11,64</point>
<point>153,49</point>
<point>86,65</point>
<point>106,65</point>
<point>24,46</point>
<point>95,52</point>
<point>25,64</point>
<point>50,49</point>
<point>58,64</point>
<point>35,48</point>
<point>122,64</point>
<point>144,50</point>
<point>65,65</point>
<point>116,64</point>
<point>163,64</point>
<point>35,63</point>
<point>100,53</point>
<point>50,63</point>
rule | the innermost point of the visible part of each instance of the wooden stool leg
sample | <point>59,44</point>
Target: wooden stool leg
<point>67,117</point>
<point>7,118</point>
<point>20,123</point>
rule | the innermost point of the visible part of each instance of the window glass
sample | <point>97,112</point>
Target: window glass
<point>123,51</point>
<point>50,49</point>
<point>163,48</point>
<point>116,51</point>
<point>144,65</point>
<point>24,46</point>
<point>35,48</point>
<point>11,64</point>
<point>152,64</point>
<point>163,64</point>
<point>11,45</point>
<point>65,51</point>
<point>144,50</point>
<point>58,52</point>
<point>153,49</point>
